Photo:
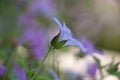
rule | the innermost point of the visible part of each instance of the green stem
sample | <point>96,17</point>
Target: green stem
<point>8,66</point>
<point>53,63</point>
<point>101,74</point>
<point>34,75</point>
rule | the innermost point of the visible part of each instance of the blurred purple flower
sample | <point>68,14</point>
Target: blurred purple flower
<point>45,7</point>
<point>2,70</point>
<point>54,75</point>
<point>65,34</point>
<point>20,72</point>
<point>92,68</point>
<point>90,47</point>
<point>26,20</point>
<point>33,36</point>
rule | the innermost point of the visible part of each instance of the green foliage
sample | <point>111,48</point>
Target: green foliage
<point>42,77</point>
<point>12,76</point>
<point>113,69</point>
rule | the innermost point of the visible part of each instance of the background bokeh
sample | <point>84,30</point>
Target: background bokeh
<point>30,23</point>
<point>97,20</point>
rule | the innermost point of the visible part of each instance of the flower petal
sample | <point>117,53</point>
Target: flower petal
<point>54,75</point>
<point>2,70</point>
<point>20,73</point>
<point>65,32</point>
<point>58,23</point>
<point>77,43</point>
<point>92,69</point>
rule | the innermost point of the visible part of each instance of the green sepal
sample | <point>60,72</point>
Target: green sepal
<point>55,40</point>
<point>60,44</point>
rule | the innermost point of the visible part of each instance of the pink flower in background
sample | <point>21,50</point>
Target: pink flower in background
<point>20,72</point>
<point>44,7</point>
<point>2,70</point>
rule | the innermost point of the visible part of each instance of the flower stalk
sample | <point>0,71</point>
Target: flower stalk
<point>42,62</point>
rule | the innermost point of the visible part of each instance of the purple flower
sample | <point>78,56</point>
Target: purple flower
<point>45,7</point>
<point>26,20</point>
<point>65,34</point>
<point>90,47</point>
<point>33,36</point>
<point>92,68</point>
<point>20,72</point>
<point>2,70</point>
<point>54,75</point>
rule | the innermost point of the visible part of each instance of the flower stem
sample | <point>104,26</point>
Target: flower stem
<point>101,74</point>
<point>34,75</point>
<point>8,66</point>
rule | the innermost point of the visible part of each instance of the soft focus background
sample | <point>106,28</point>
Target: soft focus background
<point>95,20</point>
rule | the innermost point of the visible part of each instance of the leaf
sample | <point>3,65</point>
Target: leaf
<point>113,68</point>
<point>55,39</point>
<point>117,74</point>
<point>41,77</point>
<point>98,62</point>
<point>60,44</point>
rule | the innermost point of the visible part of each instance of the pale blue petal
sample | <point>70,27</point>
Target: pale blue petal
<point>65,36</point>
<point>74,42</point>
<point>66,29</point>
<point>54,75</point>
<point>65,33</point>
<point>58,23</point>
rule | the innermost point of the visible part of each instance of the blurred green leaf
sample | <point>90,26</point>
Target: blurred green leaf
<point>98,62</point>
<point>42,77</point>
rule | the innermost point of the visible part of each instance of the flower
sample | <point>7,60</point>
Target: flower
<point>26,20</point>
<point>65,34</point>
<point>45,7</point>
<point>54,75</point>
<point>92,68</point>
<point>2,70</point>
<point>20,72</point>
<point>33,36</point>
<point>90,47</point>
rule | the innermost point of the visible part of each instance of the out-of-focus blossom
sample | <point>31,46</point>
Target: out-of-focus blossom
<point>2,70</point>
<point>65,34</point>
<point>33,36</point>
<point>92,68</point>
<point>54,75</point>
<point>45,7</point>
<point>26,20</point>
<point>20,72</point>
<point>90,47</point>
